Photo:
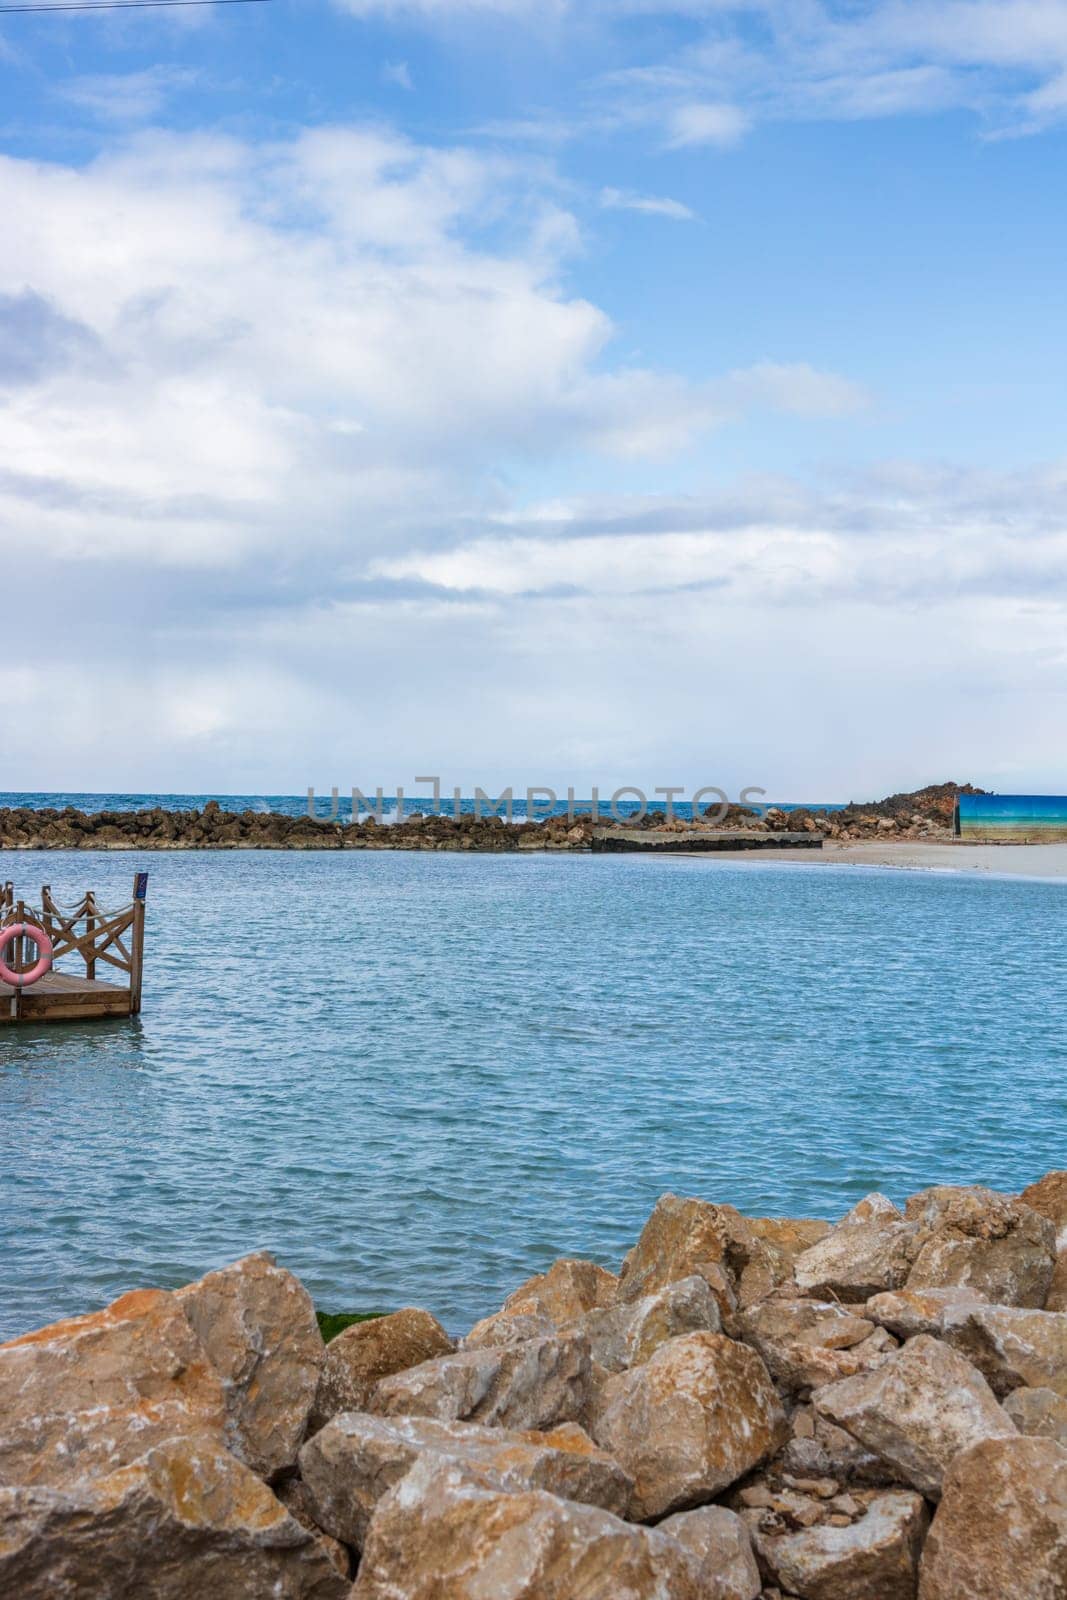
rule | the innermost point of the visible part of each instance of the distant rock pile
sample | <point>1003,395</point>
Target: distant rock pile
<point>753,1408</point>
<point>924,814</point>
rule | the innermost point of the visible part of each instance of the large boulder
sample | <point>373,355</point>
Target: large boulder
<point>564,1293</point>
<point>1000,1532</point>
<point>439,1533</point>
<point>873,1558</point>
<point>807,1343</point>
<point>907,1312</point>
<point>720,1543</point>
<point>700,1413</point>
<point>82,1397</point>
<point>1013,1347</point>
<point>982,1240</point>
<point>772,1249</point>
<point>681,1238</point>
<point>626,1334</point>
<point>869,1251</point>
<point>535,1384</point>
<point>918,1411</point>
<point>1049,1197</point>
<point>185,1522</point>
<point>1040,1412</point>
<point>355,1460</point>
<point>361,1355</point>
<point>257,1324</point>
<point>507,1327</point>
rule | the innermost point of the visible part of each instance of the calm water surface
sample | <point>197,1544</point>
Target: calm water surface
<point>417,1078</point>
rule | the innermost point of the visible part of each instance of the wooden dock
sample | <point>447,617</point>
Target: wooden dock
<point>83,935</point>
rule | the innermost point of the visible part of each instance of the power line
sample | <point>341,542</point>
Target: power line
<point>125,5</point>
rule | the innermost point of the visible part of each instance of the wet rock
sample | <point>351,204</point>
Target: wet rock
<point>720,1543</point>
<point>87,1395</point>
<point>1000,1532</point>
<point>505,1327</point>
<point>257,1324</point>
<point>361,1355</point>
<point>566,1292</point>
<point>437,1533</point>
<point>1040,1412</point>
<point>625,1335</point>
<point>535,1384</point>
<point>807,1343</point>
<point>907,1312</point>
<point>680,1239</point>
<point>1012,1347</point>
<point>982,1240</point>
<point>868,1252</point>
<point>355,1460</point>
<point>699,1414</point>
<point>185,1522</point>
<point>918,1411</point>
<point>873,1558</point>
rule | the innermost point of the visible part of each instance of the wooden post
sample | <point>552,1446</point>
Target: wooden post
<point>46,909</point>
<point>90,927</point>
<point>140,892</point>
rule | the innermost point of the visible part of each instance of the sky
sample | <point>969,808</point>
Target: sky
<point>534,392</point>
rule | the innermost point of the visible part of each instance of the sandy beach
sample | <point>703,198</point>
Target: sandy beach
<point>1011,860</point>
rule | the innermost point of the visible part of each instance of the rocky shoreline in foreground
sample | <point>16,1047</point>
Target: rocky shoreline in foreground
<point>752,1408</point>
<point>923,814</point>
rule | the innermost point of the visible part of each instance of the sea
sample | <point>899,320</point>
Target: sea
<point>418,1078</point>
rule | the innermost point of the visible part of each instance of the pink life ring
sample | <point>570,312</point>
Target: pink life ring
<point>37,936</point>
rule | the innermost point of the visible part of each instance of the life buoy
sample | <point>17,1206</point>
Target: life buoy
<point>38,937</point>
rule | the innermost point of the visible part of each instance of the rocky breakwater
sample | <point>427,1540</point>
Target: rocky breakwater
<point>212,828</point>
<point>922,814</point>
<point>752,1408</point>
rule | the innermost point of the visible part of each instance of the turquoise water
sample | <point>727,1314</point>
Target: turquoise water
<point>418,1078</point>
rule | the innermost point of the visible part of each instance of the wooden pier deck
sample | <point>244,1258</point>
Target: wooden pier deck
<point>84,933</point>
<point>63,997</point>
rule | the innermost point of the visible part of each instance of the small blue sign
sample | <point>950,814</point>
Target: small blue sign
<point>141,890</point>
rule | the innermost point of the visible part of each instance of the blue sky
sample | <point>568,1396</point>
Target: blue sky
<point>559,392</point>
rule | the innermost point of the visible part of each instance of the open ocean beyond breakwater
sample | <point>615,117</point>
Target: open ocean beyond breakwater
<point>419,1077</point>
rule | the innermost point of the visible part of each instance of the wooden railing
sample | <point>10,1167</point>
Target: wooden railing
<point>85,929</point>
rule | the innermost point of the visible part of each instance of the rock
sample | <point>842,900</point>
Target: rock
<point>918,1411</point>
<point>907,1312</point>
<point>257,1324</point>
<point>185,1522</point>
<point>366,1352</point>
<point>1040,1412</point>
<point>827,1451</point>
<point>1000,1532</point>
<point>1049,1197</point>
<point>84,1396</point>
<point>807,1343</point>
<point>437,1534</point>
<point>680,1238</point>
<point>355,1460</point>
<point>505,1327</point>
<point>776,1243</point>
<point>719,1541</point>
<point>985,1241</point>
<point>700,1413</point>
<point>295,1496</point>
<point>858,1258</point>
<point>625,1335</point>
<point>873,1207</point>
<point>1011,1346</point>
<point>874,1558</point>
<point>564,1293</point>
<point>535,1384</point>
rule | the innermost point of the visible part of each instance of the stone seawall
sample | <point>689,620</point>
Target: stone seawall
<point>749,1409</point>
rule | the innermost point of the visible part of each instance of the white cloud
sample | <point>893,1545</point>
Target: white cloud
<point>706,123</point>
<point>126,96</point>
<point>652,205</point>
<point>398,73</point>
